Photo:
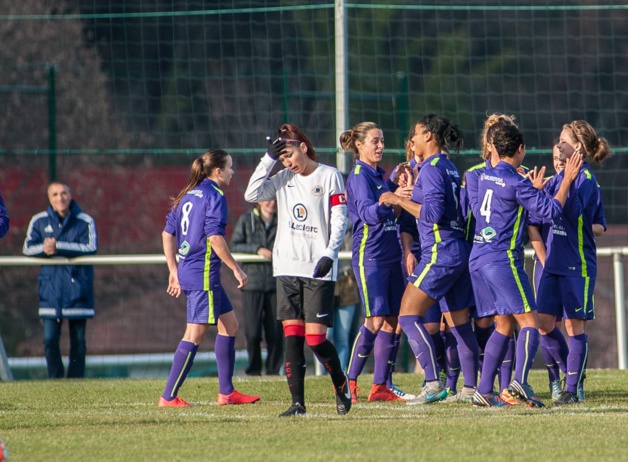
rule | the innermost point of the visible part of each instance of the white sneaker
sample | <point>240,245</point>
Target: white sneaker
<point>431,393</point>
<point>399,393</point>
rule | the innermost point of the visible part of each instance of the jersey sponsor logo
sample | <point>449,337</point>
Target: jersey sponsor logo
<point>299,212</point>
<point>338,199</point>
<point>321,315</point>
<point>196,192</point>
<point>389,225</point>
<point>184,249</point>
<point>558,229</point>
<point>488,234</point>
<point>303,227</point>
<point>495,179</point>
<point>318,190</point>
<point>379,186</point>
<point>48,229</point>
<point>456,226</point>
<point>453,173</point>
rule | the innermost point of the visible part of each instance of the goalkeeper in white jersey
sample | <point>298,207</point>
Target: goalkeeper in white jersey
<point>312,218</point>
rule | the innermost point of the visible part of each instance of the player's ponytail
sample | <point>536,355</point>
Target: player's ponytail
<point>490,121</point>
<point>201,168</point>
<point>602,150</point>
<point>453,137</point>
<point>347,143</point>
<point>446,134</point>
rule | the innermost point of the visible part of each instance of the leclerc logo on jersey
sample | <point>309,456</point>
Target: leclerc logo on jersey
<point>300,212</point>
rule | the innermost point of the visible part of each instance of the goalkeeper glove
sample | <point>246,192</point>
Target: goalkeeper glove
<point>275,148</point>
<point>323,267</point>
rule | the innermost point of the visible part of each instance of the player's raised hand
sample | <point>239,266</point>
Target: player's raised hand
<point>402,174</point>
<point>536,177</point>
<point>275,148</point>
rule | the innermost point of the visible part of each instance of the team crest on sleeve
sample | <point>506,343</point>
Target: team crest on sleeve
<point>299,212</point>
<point>318,190</point>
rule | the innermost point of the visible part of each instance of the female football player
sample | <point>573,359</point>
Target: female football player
<point>504,199</point>
<point>570,268</point>
<point>442,273</point>
<point>311,224</point>
<point>195,230</point>
<point>376,257</point>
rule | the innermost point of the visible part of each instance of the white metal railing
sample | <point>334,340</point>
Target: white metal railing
<point>616,253</point>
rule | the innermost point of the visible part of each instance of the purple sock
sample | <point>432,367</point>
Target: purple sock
<point>553,372</point>
<point>556,345</point>
<point>578,352</point>
<point>505,368</point>
<point>453,361</point>
<point>383,349</point>
<point>421,344</point>
<point>225,362</point>
<point>391,369</point>
<point>586,360</point>
<point>527,346</point>
<point>439,350</point>
<point>482,334</point>
<point>362,348</point>
<point>494,353</point>
<point>467,352</point>
<point>181,365</point>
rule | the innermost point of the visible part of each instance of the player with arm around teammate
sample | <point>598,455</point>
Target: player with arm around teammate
<point>442,273</point>
<point>504,200</point>
<point>311,224</point>
<point>195,230</point>
<point>445,345</point>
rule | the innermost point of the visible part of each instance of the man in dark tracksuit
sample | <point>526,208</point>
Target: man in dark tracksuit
<point>254,233</point>
<point>65,292</point>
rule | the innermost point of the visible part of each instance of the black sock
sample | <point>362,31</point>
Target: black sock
<point>328,356</point>
<point>295,367</point>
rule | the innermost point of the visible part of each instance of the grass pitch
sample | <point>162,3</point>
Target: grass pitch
<point>118,420</point>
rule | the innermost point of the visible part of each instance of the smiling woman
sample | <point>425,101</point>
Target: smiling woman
<point>312,219</point>
<point>376,261</point>
<point>571,261</point>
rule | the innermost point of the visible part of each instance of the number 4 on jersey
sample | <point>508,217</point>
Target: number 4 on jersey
<point>485,208</point>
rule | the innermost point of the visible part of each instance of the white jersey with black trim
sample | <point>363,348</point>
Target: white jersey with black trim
<point>311,216</point>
